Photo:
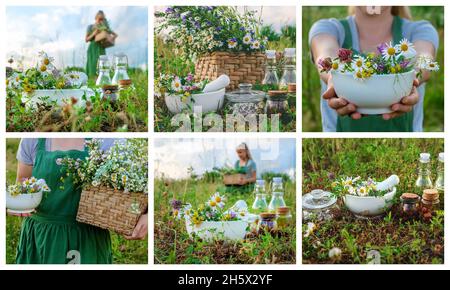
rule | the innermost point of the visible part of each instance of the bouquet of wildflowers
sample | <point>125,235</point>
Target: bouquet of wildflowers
<point>202,29</point>
<point>177,85</point>
<point>390,59</point>
<point>45,76</point>
<point>212,210</point>
<point>124,166</point>
<point>356,186</point>
<point>28,186</point>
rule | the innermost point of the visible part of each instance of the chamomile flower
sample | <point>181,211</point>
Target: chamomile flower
<point>389,52</point>
<point>432,66</point>
<point>256,44</point>
<point>338,66</point>
<point>359,63</point>
<point>218,200</point>
<point>406,48</point>
<point>247,39</point>
<point>232,43</point>
<point>176,84</point>
<point>76,78</point>
<point>362,191</point>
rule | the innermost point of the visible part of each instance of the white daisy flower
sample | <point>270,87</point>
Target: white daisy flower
<point>406,48</point>
<point>247,39</point>
<point>362,191</point>
<point>76,78</point>
<point>390,52</point>
<point>432,66</point>
<point>256,44</point>
<point>218,200</point>
<point>336,65</point>
<point>359,63</point>
<point>176,85</point>
<point>335,253</point>
<point>232,43</point>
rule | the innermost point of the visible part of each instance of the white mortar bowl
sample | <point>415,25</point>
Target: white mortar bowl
<point>369,206</point>
<point>210,231</point>
<point>376,94</point>
<point>23,203</point>
<point>209,102</point>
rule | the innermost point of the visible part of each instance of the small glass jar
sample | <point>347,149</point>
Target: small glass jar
<point>277,102</point>
<point>245,101</point>
<point>410,205</point>
<point>284,217</point>
<point>104,69</point>
<point>109,92</point>
<point>277,199</point>
<point>430,199</point>
<point>267,222</point>
<point>318,204</point>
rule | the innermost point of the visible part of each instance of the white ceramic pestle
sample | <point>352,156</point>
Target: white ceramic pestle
<point>389,183</point>
<point>217,84</point>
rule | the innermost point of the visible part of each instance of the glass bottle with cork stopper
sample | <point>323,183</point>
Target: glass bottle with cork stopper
<point>410,205</point>
<point>120,68</point>
<point>277,102</point>
<point>267,222</point>
<point>430,199</point>
<point>284,217</point>
<point>424,173</point>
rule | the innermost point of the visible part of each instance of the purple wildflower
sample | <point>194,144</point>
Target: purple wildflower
<point>382,47</point>
<point>404,63</point>
<point>169,10</point>
<point>189,77</point>
<point>176,204</point>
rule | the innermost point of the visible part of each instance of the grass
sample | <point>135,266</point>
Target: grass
<point>128,113</point>
<point>174,246</point>
<point>434,95</point>
<point>398,241</point>
<point>168,62</point>
<point>124,251</point>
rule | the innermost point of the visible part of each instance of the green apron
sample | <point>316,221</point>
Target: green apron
<point>375,123</point>
<point>52,235</point>
<point>93,53</point>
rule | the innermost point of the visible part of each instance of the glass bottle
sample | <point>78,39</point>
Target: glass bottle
<point>289,71</point>
<point>260,203</point>
<point>267,222</point>
<point>104,69</point>
<point>276,103</point>
<point>271,76</point>
<point>284,217</point>
<point>120,68</point>
<point>440,173</point>
<point>410,205</point>
<point>277,195</point>
<point>424,174</point>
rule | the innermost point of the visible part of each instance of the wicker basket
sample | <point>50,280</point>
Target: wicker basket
<point>240,67</point>
<point>111,209</point>
<point>105,39</point>
<point>232,179</point>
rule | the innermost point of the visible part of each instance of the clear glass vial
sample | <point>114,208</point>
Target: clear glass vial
<point>271,76</point>
<point>260,203</point>
<point>104,69</point>
<point>424,173</point>
<point>440,173</point>
<point>289,70</point>
<point>120,68</point>
<point>277,195</point>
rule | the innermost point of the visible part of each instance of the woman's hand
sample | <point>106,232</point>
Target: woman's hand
<point>343,107</point>
<point>141,229</point>
<point>242,181</point>
<point>340,105</point>
<point>20,214</point>
<point>406,103</point>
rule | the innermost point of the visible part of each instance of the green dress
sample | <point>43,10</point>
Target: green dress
<point>52,235</point>
<point>93,53</point>
<point>375,123</point>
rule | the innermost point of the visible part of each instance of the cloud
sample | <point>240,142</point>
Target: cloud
<point>61,30</point>
<point>174,156</point>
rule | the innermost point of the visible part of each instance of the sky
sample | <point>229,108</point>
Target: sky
<point>173,157</point>
<point>60,31</point>
<point>277,16</point>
